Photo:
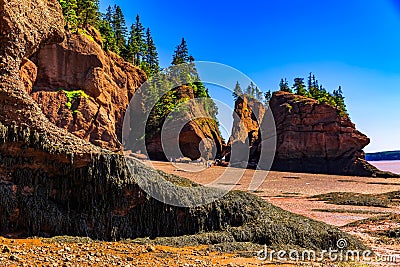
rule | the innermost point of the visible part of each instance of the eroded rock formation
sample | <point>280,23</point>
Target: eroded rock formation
<point>54,183</point>
<point>311,136</point>
<point>79,63</point>
<point>246,134</point>
<point>199,135</point>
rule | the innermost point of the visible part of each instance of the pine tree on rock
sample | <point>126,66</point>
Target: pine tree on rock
<point>237,92</point>
<point>267,97</point>
<point>139,51</point>
<point>151,54</point>
<point>181,54</point>
<point>339,99</point>
<point>313,88</point>
<point>119,27</point>
<point>186,71</point>
<point>309,82</point>
<point>259,95</point>
<point>69,8</point>
<point>299,87</point>
<point>109,16</point>
<point>107,35</point>
<point>131,47</point>
<point>284,86</point>
<point>90,14</point>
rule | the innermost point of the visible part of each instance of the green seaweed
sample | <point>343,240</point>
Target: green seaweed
<point>101,200</point>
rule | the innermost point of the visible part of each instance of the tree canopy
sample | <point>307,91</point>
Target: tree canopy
<point>136,46</point>
<point>316,91</point>
<point>181,54</point>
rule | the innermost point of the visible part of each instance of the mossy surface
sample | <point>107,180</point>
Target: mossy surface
<point>45,192</point>
<point>74,95</point>
<point>356,199</point>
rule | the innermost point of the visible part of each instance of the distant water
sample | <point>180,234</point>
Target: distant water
<point>387,165</point>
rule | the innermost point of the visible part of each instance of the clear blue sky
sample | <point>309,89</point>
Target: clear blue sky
<point>355,44</point>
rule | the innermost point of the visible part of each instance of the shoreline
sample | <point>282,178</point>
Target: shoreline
<point>290,191</point>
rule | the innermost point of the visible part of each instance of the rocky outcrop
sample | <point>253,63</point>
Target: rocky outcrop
<point>246,130</point>
<point>79,63</point>
<point>198,134</point>
<point>311,137</point>
<point>54,183</point>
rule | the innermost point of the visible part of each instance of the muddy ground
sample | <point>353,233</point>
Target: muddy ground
<point>378,226</point>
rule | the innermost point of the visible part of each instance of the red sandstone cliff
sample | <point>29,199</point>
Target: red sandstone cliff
<point>109,83</point>
<point>54,183</point>
<point>310,136</point>
<point>198,135</point>
<point>79,63</point>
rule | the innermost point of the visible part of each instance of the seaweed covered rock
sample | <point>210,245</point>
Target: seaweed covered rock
<point>54,183</point>
<point>41,195</point>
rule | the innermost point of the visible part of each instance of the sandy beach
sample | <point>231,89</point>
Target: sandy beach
<point>290,191</point>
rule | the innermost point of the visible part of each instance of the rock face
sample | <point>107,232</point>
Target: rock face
<point>198,134</point>
<point>246,129</point>
<point>79,63</point>
<point>54,183</point>
<point>311,137</point>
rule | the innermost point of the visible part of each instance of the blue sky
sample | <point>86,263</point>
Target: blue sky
<point>355,44</point>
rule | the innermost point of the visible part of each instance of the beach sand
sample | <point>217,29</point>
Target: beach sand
<point>290,191</point>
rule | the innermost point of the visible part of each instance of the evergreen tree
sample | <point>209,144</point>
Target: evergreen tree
<point>339,99</point>
<point>185,73</point>
<point>151,54</point>
<point>309,81</point>
<point>315,82</point>
<point>252,90</point>
<point>107,35</point>
<point>69,8</point>
<point>284,86</point>
<point>181,54</point>
<point>267,97</point>
<point>139,51</point>
<point>132,46</point>
<point>248,90</point>
<point>299,87</point>
<point>137,48</point>
<point>119,28</point>
<point>237,92</point>
<point>259,95</point>
<point>313,87</point>
<point>88,13</point>
<point>109,16</point>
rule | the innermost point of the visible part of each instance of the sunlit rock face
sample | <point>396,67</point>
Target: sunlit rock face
<point>54,183</point>
<point>310,136</point>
